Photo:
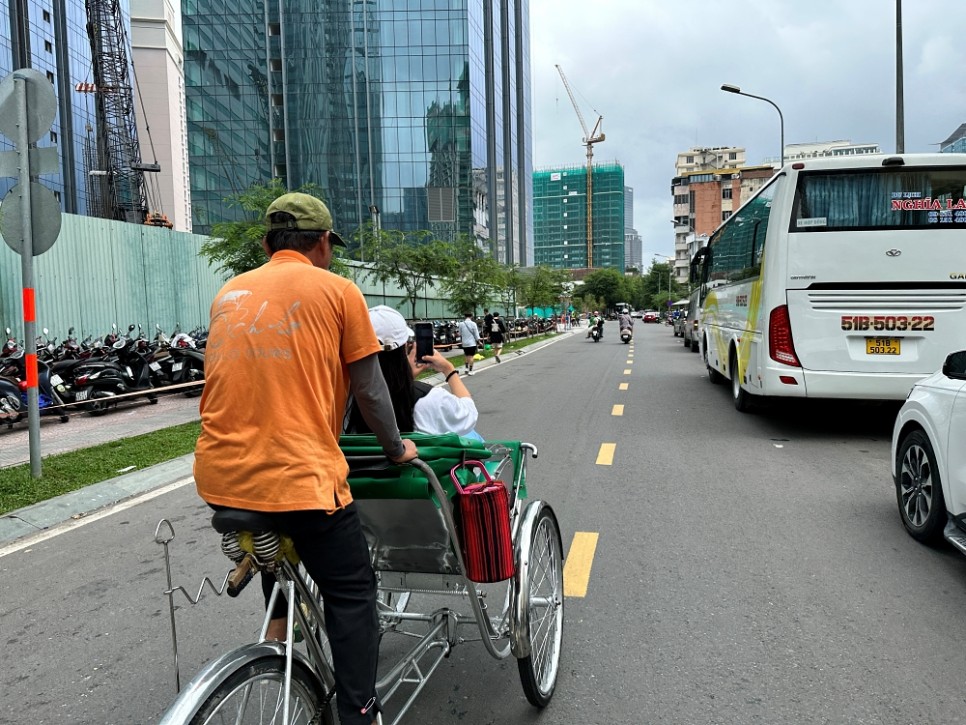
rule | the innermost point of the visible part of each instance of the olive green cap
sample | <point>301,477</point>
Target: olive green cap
<point>311,215</point>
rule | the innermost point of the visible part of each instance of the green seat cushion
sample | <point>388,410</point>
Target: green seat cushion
<point>439,452</point>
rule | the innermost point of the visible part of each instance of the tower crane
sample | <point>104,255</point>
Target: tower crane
<point>121,193</point>
<point>589,139</point>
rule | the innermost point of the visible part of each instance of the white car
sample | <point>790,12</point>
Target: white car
<point>929,456</point>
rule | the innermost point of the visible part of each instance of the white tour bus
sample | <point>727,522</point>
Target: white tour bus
<point>840,278</point>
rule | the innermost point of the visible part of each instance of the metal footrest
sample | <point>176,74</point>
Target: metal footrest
<point>955,536</point>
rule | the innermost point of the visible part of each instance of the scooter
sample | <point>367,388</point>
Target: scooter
<point>13,390</point>
<point>595,333</point>
<point>97,389</point>
<point>626,335</point>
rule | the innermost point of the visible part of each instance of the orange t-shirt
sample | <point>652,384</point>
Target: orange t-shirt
<point>276,384</point>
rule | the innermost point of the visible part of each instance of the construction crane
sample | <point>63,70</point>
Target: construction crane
<point>589,139</point>
<point>120,189</point>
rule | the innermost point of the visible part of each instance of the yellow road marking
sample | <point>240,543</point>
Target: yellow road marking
<point>617,410</point>
<point>576,573</point>
<point>629,362</point>
<point>623,386</point>
<point>627,372</point>
<point>605,456</point>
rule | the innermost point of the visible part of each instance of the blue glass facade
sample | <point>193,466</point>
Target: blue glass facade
<point>382,103</point>
<point>51,36</point>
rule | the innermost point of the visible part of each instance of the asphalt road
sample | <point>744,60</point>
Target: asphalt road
<point>749,568</point>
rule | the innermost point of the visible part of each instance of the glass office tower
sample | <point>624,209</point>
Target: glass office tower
<point>51,36</point>
<point>409,114</point>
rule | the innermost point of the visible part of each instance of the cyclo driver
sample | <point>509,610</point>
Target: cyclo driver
<point>286,343</point>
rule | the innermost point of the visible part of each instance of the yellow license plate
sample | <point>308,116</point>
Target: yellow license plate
<point>883,346</point>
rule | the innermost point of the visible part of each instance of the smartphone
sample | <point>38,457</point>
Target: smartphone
<point>424,339</point>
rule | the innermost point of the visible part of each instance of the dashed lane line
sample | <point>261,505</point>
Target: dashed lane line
<point>580,559</point>
<point>605,456</point>
<point>627,372</point>
<point>623,386</point>
<point>617,410</point>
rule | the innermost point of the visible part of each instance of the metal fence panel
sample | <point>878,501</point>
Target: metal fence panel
<point>102,272</point>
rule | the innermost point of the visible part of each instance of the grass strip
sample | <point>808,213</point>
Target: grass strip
<point>66,472</point>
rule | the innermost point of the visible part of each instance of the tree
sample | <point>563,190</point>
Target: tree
<point>236,246</point>
<point>544,286</point>
<point>607,285</point>
<point>661,286</point>
<point>471,277</point>
<point>410,260</point>
<point>510,283</point>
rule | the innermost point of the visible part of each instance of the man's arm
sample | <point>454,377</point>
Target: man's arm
<point>372,396</point>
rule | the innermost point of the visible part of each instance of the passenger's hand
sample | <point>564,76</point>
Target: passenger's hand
<point>409,452</point>
<point>436,361</point>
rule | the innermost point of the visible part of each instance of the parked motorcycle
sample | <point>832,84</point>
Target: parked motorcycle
<point>179,361</point>
<point>13,386</point>
<point>98,388</point>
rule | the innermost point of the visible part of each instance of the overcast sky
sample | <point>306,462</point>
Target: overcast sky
<point>653,69</point>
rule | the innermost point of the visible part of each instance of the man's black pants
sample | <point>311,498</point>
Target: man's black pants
<point>334,552</point>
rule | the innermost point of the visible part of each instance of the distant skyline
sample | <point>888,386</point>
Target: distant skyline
<point>653,69</point>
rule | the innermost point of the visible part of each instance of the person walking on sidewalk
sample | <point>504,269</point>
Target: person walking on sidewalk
<point>487,324</point>
<point>287,341</point>
<point>469,340</point>
<point>498,331</point>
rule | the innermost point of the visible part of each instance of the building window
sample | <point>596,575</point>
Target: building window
<point>726,192</point>
<point>48,46</point>
<point>276,64</point>
<point>50,77</point>
<point>274,29</point>
<point>689,160</point>
<point>53,137</point>
<point>725,215</point>
<point>46,16</point>
<point>732,156</point>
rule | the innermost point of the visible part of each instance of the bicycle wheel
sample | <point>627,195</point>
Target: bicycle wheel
<point>538,671</point>
<point>255,693</point>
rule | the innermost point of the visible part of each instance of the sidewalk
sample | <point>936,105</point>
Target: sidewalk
<point>46,515</point>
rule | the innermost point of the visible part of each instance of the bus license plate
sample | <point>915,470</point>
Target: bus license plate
<point>883,345</point>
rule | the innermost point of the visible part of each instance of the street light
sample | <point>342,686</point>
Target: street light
<point>728,88</point>
<point>670,269</point>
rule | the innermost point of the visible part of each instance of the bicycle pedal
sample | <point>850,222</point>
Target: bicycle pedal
<point>240,576</point>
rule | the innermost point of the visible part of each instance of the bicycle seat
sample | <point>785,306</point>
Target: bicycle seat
<point>227,520</point>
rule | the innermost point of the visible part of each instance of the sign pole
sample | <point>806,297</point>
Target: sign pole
<point>27,262</point>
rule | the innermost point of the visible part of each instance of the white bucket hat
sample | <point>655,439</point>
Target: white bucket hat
<point>390,327</point>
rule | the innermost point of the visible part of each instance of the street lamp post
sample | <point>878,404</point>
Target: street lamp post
<point>670,269</point>
<point>728,88</point>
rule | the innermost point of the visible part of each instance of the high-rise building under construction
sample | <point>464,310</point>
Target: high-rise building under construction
<point>560,217</point>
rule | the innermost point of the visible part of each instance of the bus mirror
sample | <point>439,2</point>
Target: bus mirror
<point>955,365</point>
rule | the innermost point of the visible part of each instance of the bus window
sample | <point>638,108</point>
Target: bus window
<point>738,244</point>
<point>879,198</point>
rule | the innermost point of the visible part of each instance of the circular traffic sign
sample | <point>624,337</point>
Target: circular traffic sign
<point>41,104</point>
<point>44,218</point>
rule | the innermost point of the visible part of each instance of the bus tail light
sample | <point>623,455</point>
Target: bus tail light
<point>781,347</point>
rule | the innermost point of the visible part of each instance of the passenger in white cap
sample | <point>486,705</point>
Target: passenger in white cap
<point>418,405</point>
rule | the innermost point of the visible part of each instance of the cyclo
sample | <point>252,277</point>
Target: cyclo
<point>417,536</point>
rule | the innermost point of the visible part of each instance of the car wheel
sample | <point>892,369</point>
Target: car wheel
<point>919,491</point>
